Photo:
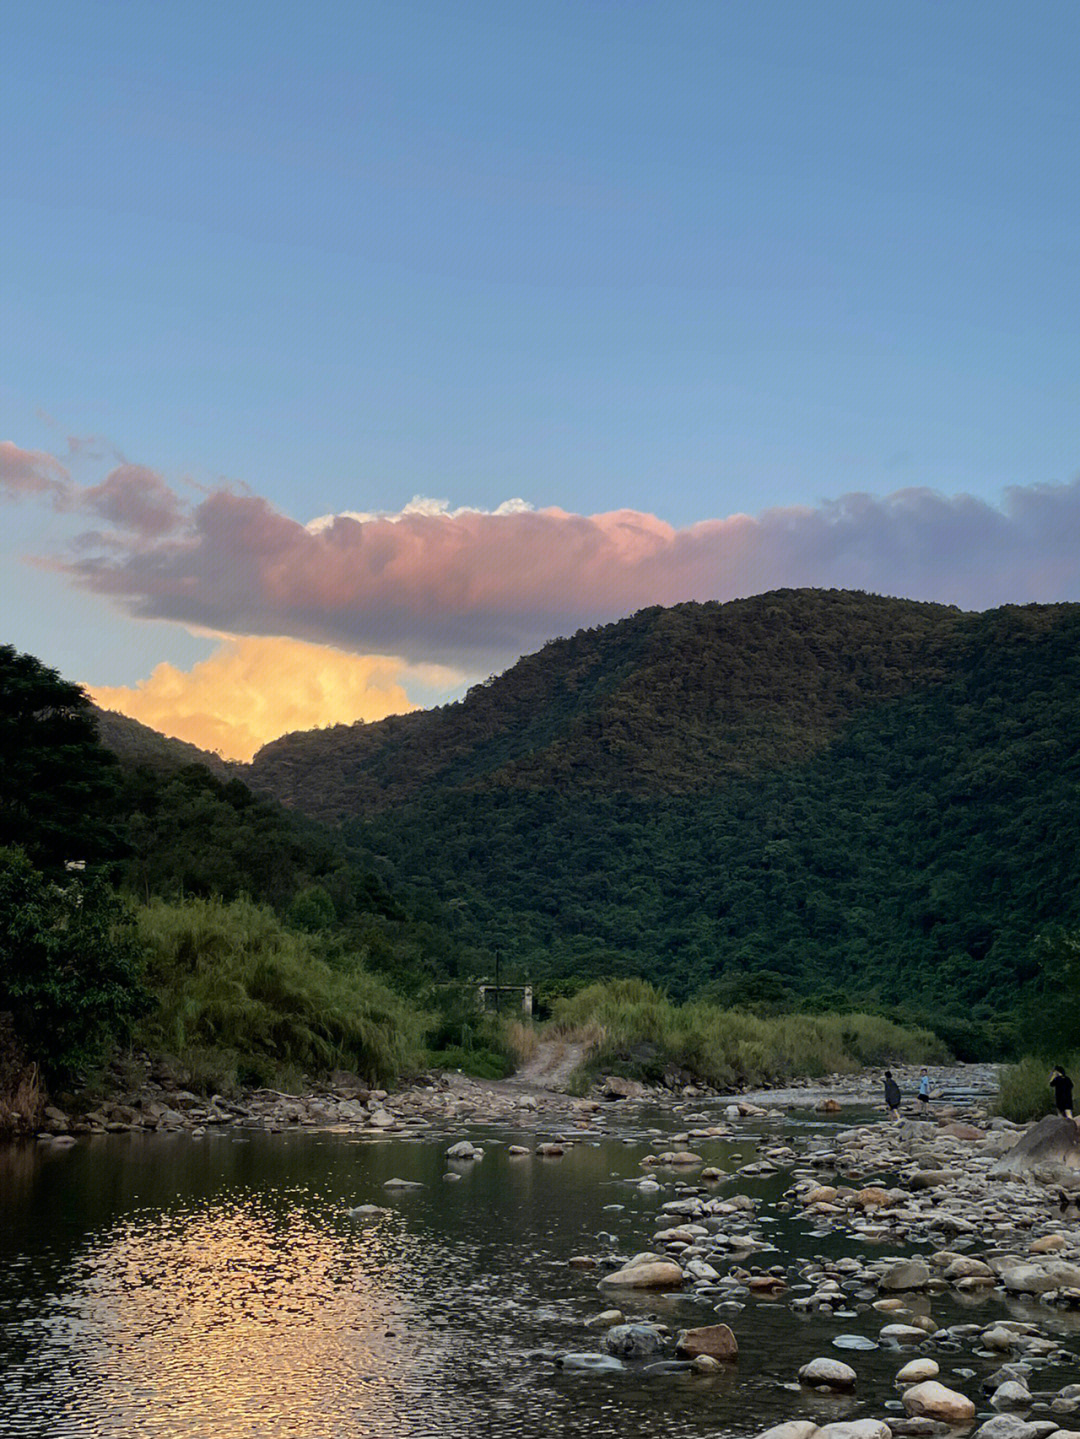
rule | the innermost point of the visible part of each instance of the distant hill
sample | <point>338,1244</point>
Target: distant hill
<point>137,744</point>
<point>843,790</point>
<point>669,701</point>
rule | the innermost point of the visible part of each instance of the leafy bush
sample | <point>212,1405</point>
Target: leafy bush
<point>463,1037</point>
<point>239,994</point>
<point>639,1032</point>
<point>1024,1088</point>
<point>70,975</point>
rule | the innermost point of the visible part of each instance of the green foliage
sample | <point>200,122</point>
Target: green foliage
<point>876,802</point>
<point>56,780</point>
<point>640,1033</point>
<point>462,1037</point>
<point>70,976</point>
<point>230,980</point>
<point>1024,1088</point>
<point>313,910</point>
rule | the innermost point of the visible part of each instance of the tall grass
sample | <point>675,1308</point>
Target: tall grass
<point>637,1031</point>
<point>1024,1088</point>
<point>238,997</point>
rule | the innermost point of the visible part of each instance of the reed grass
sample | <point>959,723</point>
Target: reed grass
<point>1024,1088</point>
<point>239,998</point>
<point>634,1029</point>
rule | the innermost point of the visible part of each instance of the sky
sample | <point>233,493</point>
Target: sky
<point>350,351</point>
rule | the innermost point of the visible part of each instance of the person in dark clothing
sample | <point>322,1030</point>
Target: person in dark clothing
<point>892,1095</point>
<point>1062,1086</point>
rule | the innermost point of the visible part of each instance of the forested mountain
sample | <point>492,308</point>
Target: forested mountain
<point>843,790</point>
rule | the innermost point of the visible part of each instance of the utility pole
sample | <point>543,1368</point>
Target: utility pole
<point>498,964</point>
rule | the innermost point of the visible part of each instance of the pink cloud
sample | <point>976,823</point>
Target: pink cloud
<point>476,589</point>
<point>134,498</point>
<point>31,474</point>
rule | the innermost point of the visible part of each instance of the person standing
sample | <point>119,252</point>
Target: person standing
<point>1062,1086</point>
<point>892,1095</point>
<point>924,1092</point>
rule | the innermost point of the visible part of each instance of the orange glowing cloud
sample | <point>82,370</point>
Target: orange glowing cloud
<point>251,690</point>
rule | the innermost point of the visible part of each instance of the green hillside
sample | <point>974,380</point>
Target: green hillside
<point>838,790</point>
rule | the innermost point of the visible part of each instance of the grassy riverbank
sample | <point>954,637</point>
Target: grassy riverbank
<point>1025,1091</point>
<point>636,1031</point>
<point>239,998</point>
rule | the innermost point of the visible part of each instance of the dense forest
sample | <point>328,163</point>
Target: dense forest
<point>809,793</point>
<point>809,801</point>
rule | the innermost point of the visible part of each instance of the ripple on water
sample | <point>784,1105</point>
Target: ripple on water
<point>220,1291</point>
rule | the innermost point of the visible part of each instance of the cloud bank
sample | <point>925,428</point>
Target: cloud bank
<point>251,691</point>
<point>475,589</point>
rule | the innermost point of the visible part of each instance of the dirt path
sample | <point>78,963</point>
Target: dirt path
<point>551,1066</point>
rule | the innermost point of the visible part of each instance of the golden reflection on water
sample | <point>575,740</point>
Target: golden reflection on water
<point>237,1323</point>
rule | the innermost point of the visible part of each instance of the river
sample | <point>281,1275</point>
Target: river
<point>215,1287</point>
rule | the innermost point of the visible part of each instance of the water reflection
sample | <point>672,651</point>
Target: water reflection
<point>216,1289</point>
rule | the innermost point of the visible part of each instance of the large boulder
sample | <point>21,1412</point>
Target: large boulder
<point>715,1340</point>
<point>828,1374</point>
<point>646,1271</point>
<point>1049,1151</point>
<point>632,1341</point>
<point>616,1087</point>
<point>1041,1278</point>
<point>937,1402</point>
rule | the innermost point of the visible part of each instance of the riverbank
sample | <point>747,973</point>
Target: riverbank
<point>156,1097</point>
<point>802,1257</point>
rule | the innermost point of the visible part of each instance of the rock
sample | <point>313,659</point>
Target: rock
<point>917,1370</point>
<point>1007,1426</point>
<point>582,1261</point>
<point>632,1341</point>
<point>823,1194</point>
<point>463,1150</point>
<point>828,1374</point>
<point>1011,1395</point>
<point>602,1363</point>
<point>1049,1150</point>
<point>827,1106</point>
<point>961,1131</point>
<point>1041,1278</point>
<point>402,1184</point>
<point>932,1178</point>
<point>793,1429</point>
<point>550,1150</point>
<point>382,1119</point>
<point>937,1402</point>
<point>706,1364</point>
<point>1047,1244</point>
<point>652,1273</point>
<point>615,1087</point>
<point>872,1197</point>
<point>908,1274</point>
<point>715,1340</point>
<point>605,1319</point>
<point>680,1157</point>
<point>516,1149</point>
<point>854,1429</point>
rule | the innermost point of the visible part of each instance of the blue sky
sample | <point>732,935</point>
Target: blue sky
<point>687,259</point>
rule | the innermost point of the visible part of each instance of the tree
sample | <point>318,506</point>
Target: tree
<point>70,975</point>
<point>56,779</point>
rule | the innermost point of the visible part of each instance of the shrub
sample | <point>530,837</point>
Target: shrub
<point>1024,1088</point>
<point>236,992</point>
<point>70,975</point>
<point>637,1031</point>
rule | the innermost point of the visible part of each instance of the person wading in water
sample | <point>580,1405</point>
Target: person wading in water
<point>892,1095</point>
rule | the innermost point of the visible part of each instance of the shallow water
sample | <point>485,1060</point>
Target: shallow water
<point>215,1288</point>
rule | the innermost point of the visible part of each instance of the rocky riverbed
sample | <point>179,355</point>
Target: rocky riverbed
<point>945,1290</point>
